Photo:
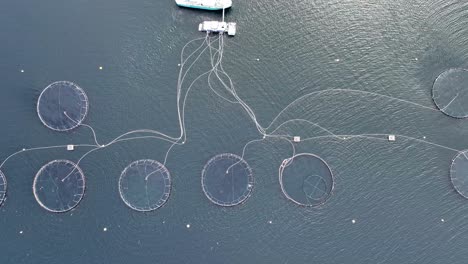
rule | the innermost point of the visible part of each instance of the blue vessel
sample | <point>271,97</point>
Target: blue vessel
<point>205,4</point>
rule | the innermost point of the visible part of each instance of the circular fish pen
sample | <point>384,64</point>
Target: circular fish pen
<point>62,106</point>
<point>459,173</point>
<point>306,180</point>
<point>3,187</point>
<point>145,185</point>
<point>59,186</point>
<point>450,93</point>
<point>227,180</point>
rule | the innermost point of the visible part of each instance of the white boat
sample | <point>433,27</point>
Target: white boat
<point>205,4</point>
<point>218,27</point>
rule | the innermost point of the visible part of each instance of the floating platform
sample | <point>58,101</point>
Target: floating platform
<point>218,27</point>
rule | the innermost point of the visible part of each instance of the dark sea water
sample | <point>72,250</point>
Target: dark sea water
<point>399,194</point>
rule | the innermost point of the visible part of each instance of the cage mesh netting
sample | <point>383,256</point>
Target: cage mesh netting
<point>145,185</point>
<point>62,106</point>
<point>450,93</point>
<point>227,180</point>
<point>59,186</point>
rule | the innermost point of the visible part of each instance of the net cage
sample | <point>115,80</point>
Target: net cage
<point>306,180</point>
<point>450,92</point>
<point>59,186</point>
<point>459,173</point>
<point>62,106</point>
<point>145,185</point>
<point>227,180</point>
<point>3,187</point>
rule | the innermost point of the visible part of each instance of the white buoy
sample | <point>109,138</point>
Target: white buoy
<point>100,68</point>
<point>337,60</point>
<point>105,229</point>
<point>188,225</point>
<point>258,59</point>
<point>442,220</point>
<point>353,221</point>
<point>22,70</point>
<point>270,222</point>
<point>21,232</point>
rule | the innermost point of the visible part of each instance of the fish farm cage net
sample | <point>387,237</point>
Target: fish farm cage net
<point>145,185</point>
<point>459,173</point>
<point>62,106</point>
<point>227,180</point>
<point>306,180</point>
<point>450,93</point>
<point>3,187</point>
<point>59,186</point>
